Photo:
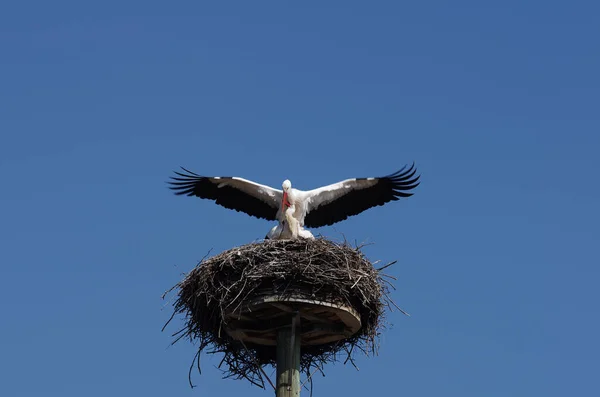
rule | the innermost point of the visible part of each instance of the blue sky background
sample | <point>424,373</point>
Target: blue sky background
<point>498,249</point>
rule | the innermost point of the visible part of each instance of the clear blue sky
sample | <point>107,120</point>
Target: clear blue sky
<point>498,249</point>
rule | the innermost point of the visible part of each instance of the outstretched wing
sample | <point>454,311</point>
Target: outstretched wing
<point>334,203</point>
<point>234,193</point>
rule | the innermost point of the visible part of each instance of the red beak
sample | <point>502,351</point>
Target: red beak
<point>285,203</point>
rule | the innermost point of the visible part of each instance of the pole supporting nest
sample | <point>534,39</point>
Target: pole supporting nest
<point>288,359</point>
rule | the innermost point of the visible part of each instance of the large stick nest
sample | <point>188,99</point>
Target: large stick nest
<point>319,269</point>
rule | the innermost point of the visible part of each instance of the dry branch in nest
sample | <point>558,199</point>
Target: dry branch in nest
<point>317,269</point>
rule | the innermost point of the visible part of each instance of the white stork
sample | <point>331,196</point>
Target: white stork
<point>293,208</point>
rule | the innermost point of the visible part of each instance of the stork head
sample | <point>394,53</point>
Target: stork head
<point>285,202</point>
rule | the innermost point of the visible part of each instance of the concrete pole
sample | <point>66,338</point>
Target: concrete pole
<point>288,361</point>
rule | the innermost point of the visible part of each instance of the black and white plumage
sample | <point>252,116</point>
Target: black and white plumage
<point>293,208</point>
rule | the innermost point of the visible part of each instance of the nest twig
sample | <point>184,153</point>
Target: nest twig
<point>318,269</point>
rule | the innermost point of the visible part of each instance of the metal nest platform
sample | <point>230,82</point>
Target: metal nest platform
<point>238,303</point>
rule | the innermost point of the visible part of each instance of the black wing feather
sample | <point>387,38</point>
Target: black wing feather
<point>388,188</point>
<point>192,184</point>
